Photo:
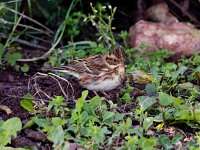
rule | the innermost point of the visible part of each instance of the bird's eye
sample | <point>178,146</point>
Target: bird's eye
<point>112,61</point>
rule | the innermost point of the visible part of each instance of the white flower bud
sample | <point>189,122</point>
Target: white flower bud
<point>85,19</point>
<point>93,23</point>
<point>110,7</point>
<point>114,10</point>
<point>99,39</point>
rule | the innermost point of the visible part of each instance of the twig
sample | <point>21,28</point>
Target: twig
<point>60,86</point>
<point>8,41</point>
<point>11,2</point>
<point>38,58</point>
<point>185,12</point>
<point>68,83</point>
<point>123,13</point>
<point>186,4</point>
<point>58,36</point>
<point>38,90</point>
<point>34,21</point>
<point>29,27</point>
<point>23,42</point>
<point>37,38</point>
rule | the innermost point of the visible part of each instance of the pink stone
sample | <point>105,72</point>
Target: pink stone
<point>182,38</point>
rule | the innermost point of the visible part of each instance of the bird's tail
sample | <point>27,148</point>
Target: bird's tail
<point>64,69</point>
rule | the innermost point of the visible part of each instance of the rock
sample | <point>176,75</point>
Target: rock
<point>182,38</point>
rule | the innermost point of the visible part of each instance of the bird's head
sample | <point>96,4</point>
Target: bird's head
<point>116,58</point>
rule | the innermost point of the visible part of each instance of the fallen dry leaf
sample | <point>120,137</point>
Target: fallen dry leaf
<point>6,109</point>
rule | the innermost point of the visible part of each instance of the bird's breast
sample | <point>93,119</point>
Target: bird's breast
<point>103,83</point>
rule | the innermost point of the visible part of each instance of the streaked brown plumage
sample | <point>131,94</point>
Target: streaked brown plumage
<point>99,72</point>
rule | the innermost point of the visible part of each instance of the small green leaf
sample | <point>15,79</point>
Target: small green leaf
<point>165,141</point>
<point>155,74</point>
<point>80,101</point>
<point>95,103</point>
<point>165,99</point>
<point>27,102</point>
<point>56,135</point>
<point>84,117</point>
<point>176,139</point>
<point>126,97</point>
<point>128,122</point>
<point>92,106</point>
<point>197,69</point>
<point>146,101</point>
<point>8,129</point>
<point>58,100</point>
<point>57,121</point>
<point>84,94</point>
<point>147,123</point>
<point>12,58</point>
<point>107,115</point>
<point>25,68</point>
<point>151,89</point>
<point>29,124</point>
<point>147,144</point>
<point>105,130</point>
<point>56,104</point>
<point>183,114</point>
<point>118,117</point>
<point>179,72</point>
<point>93,45</point>
<point>132,142</point>
<point>79,105</point>
<point>196,114</point>
<point>98,133</point>
<point>42,122</point>
<point>193,145</point>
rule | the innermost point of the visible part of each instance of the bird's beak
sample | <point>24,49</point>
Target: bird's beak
<point>121,72</point>
<point>123,63</point>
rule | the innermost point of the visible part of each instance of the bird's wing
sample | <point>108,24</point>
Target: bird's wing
<point>97,65</point>
<point>91,65</point>
<point>94,65</point>
<point>77,65</point>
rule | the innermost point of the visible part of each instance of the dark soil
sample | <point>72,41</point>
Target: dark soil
<point>13,86</point>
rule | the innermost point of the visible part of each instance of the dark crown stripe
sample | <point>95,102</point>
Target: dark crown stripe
<point>119,53</point>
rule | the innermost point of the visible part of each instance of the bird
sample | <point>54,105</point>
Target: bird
<point>98,73</point>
